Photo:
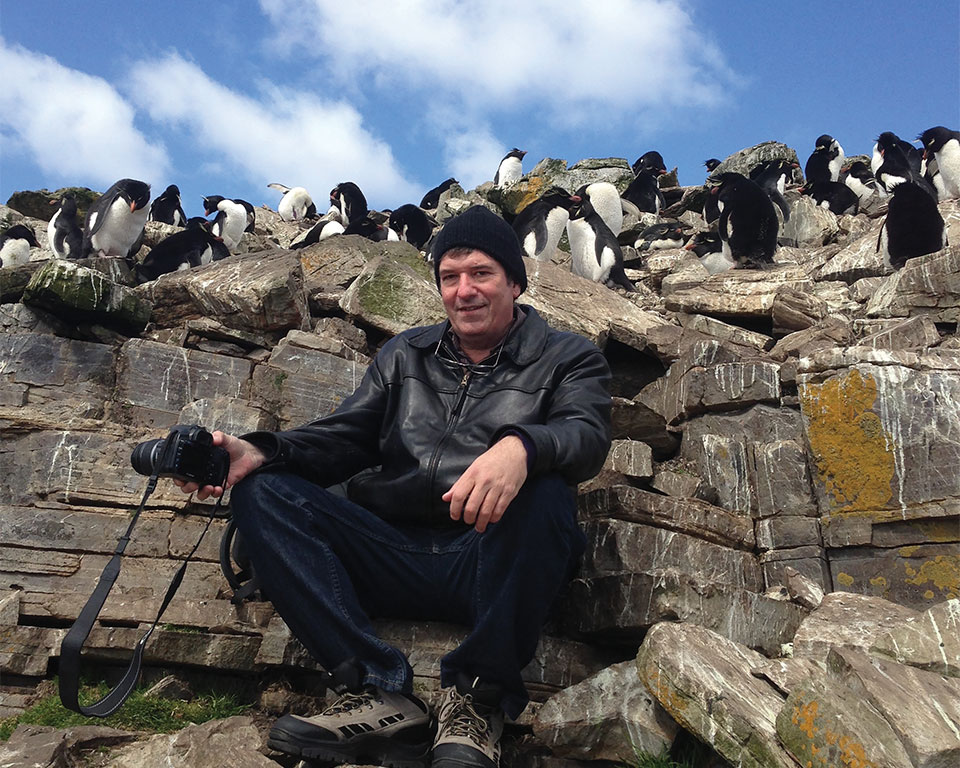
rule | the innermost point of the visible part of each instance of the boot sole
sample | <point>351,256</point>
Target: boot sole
<point>375,751</point>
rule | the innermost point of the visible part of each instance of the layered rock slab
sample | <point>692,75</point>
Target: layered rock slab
<point>609,716</point>
<point>703,681</point>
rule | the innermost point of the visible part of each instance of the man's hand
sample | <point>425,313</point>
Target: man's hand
<point>244,458</point>
<point>482,494</point>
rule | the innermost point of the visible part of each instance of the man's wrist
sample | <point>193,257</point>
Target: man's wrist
<point>527,443</point>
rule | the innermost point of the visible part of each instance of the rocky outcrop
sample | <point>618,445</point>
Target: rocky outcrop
<point>776,531</point>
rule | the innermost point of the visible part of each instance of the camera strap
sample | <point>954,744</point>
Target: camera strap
<point>73,642</point>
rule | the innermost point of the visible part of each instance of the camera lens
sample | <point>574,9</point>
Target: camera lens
<point>144,456</point>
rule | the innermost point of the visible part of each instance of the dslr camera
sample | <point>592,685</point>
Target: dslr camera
<point>187,453</point>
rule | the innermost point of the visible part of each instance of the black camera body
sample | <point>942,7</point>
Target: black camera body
<point>186,453</point>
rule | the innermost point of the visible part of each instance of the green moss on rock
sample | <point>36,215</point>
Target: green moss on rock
<point>81,294</point>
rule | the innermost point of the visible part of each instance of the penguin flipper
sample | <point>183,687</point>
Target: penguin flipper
<point>780,202</point>
<point>540,233</point>
<point>628,208</point>
<point>279,187</point>
<point>98,214</point>
<point>619,277</point>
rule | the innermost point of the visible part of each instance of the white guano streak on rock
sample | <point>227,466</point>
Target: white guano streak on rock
<point>165,379</point>
<point>889,392</point>
<point>946,719</point>
<point>936,631</point>
<point>53,464</point>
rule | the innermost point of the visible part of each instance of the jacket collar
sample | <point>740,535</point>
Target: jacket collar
<point>524,344</point>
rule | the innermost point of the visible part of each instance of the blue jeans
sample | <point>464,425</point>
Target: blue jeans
<point>328,565</point>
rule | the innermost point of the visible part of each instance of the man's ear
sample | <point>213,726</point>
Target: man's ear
<point>516,290</point>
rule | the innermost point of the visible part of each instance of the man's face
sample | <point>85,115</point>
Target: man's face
<point>478,297</point>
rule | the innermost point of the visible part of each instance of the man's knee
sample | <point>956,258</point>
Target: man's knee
<point>547,499</point>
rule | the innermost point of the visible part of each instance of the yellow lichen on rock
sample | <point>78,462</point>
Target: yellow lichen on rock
<point>535,187</point>
<point>852,451</point>
<point>844,579</point>
<point>942,572</point>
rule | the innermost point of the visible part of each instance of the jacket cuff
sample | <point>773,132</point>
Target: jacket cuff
<point>528,444</point>
<point>269,444</point>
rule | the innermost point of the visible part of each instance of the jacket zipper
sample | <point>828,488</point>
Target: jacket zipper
<point>454,416</point>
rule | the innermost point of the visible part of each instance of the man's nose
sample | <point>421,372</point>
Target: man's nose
<point>465,286</point>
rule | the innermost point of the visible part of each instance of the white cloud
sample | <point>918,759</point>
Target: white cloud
<point>75,127</point>
<point>616,56</point>
<point>471,151</point>
<point>282,136</point>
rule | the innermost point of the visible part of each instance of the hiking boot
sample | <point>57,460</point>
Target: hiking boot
<point>470,726</point>
<point>365,725</point>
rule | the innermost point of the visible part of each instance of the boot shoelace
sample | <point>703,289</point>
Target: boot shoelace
<point>464,720</point>
<point>348,702</point>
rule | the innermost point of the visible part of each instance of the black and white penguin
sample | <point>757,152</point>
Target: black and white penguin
<point>432,199</point>
<point>329,225</point>
<point>748,224</point>
<point>63,230</point>
<point>295,204</point>
<point>711,165</point>
<point>931,173</point>
<point>230,222</point>
<point>772,177</point>
<point>15,245</point>
<point>896,161</point>
<point>348,199</point>
<point>166,208</point>
<point>660,237</point>
<point>115,220</point>
<point>825,162</point>
<point>644,193</point>
<point>711,205</point>
<point>510,169</point>
<point>708,248</point>
<point>833,196</point>
<point>944,145</point>
<point>211,202</point>
<point>540,225</point>
<point>861,180</point>
<point>651,161</point>
<point>594,250</point>
<point>412,225</point>
<point>606,201</point>
<point>913,226</point>
<point>703,243</point>
<point>368,228</point>
<point>193,247</point>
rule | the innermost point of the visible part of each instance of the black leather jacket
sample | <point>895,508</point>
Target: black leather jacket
<point>422,422</point>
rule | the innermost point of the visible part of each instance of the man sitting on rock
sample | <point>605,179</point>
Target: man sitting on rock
<point>460,445</point>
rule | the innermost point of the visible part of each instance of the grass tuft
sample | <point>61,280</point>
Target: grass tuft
<point>139,712</point>
<point>663,760</point>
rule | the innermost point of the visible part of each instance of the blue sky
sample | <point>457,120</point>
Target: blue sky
<point>397,95</point>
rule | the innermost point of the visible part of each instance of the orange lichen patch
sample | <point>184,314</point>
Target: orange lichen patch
<point>851,450</point>
<point>804,718</point>
<point>535,186</point>
<point>845,579</point>
<point>852,753</point>
<point>661,689</point>
<point>943,572</point>
<point>826,747</point>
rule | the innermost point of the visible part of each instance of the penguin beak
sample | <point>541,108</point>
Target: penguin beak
<point>575,198</point>
<point>689,246</point>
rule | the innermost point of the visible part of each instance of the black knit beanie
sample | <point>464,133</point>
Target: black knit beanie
<point>480,228</point>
